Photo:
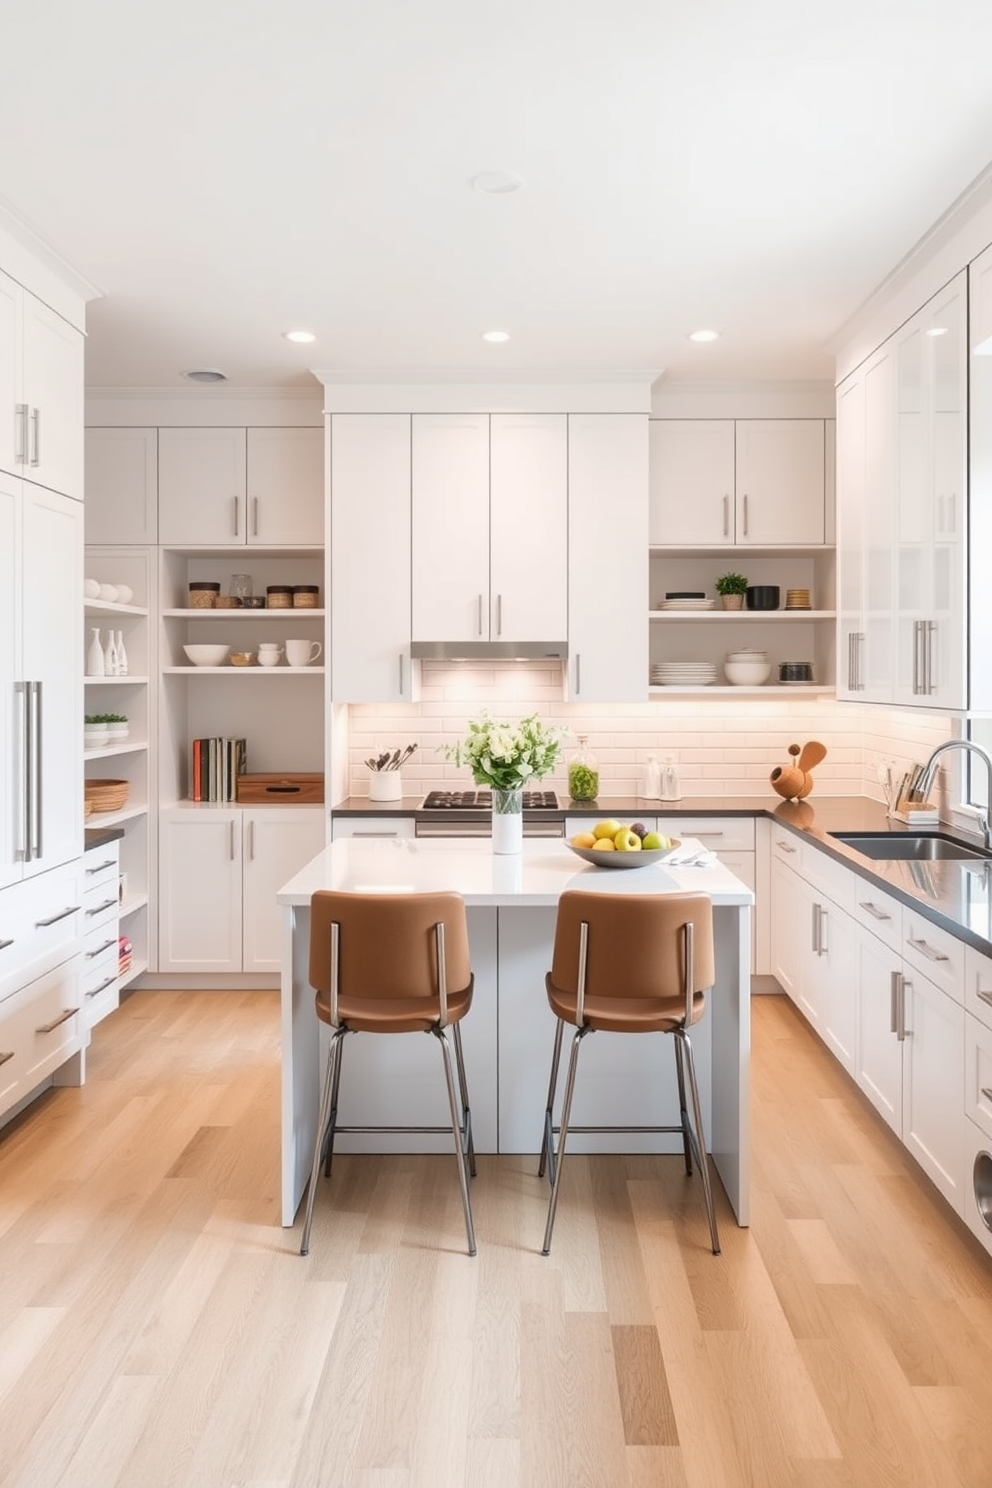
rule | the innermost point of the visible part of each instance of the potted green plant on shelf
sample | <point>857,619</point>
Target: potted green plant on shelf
<point>731,588</point>
<point>100,729</point>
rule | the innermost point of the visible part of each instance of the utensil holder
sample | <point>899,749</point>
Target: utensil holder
<point>386,785</point>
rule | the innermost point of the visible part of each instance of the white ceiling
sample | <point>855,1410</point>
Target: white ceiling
<point>224,170</point>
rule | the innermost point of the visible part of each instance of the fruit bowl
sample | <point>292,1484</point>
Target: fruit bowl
<point>643,859</point>
<point>207,655</point>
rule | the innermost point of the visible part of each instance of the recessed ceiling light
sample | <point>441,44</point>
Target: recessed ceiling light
<point>495,335</point>
<point>497,183</point>
<point>302,336</point>
<point>703,336</point>
<point>206,374</point>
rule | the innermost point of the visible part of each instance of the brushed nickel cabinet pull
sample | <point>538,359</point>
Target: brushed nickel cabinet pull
<point>21,415</point>
<point>726,516</point>
<point>254,516</point>
<point>894,980</point>
<point>927,950</point>
<point>99,908</point>
<point>901,1031</point>
<point>785,847</point>
<point>499,614</point>
<point>745,516</point>
<point>108,982</point>
<point>4,1057</point>
<point>57,1022</point>
<point>100,867</point>
<point>401,674</point>
<point>36,441</point>
<point>375,834</point>
<point>480,614</point>
<point>91,955</point>
<point>63,914</point>
<point>984,996</point>
<point>874,911</point>
<point>987,1093</point>
<point>5,943</point>
<point>237,507</point>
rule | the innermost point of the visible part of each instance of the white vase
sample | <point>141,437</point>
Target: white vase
<point>95,666</point>
<point>385,785</point>
<point>121,654</point>
<point>508,821</point>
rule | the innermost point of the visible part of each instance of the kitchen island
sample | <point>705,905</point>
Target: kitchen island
<point>511,903</point>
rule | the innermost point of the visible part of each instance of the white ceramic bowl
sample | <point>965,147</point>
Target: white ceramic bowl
<point>125,594</point>
<point>205,655</point>
<point>91,589</point>
<point>746,656</point>
<point>108,592</point>
<point>746,673</point>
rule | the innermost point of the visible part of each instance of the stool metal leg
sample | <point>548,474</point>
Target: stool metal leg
<point>548,1144</point>
<point>683,1113</point>
<point>463,1091</point>
<point>457,1131</point>
<point>337,1055</point>
<point>704,1171</point>
<point>333,1059</point>
<point>566,1112</point>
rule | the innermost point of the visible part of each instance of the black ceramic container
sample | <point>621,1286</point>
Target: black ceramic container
<point>762,597</point>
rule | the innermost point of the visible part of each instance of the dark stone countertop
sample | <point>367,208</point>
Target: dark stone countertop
<point>100,836</point>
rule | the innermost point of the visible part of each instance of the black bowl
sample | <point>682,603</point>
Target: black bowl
<point>762,597</point>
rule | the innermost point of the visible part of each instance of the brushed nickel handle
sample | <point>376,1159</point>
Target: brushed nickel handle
<point>401,673</point>
<point>823,948</point>
<point>237,507</point>
<point>5,943</point>
<point>480,614</point>
<point>62,914</point>
<point>254,516</point>
<point>745,516</point>
<point>984,996</point>
<point>36,436</point>
<point>874,911</point>
<point>578,674</point>
<point>499,614</point>
<point>5,1056</point>
<point>895,978</point>
<point>35,799</point>
<point>251,841</point>
<point>107,982</point>
<point>726,516</point>
<point>100,867</point>
<point>231,848</point>
<point>785,847</point>
<point>57,1022</point>
<point>99,908</point>
<point>927,950</point>
<point>375,834</point>
<point>902,1030</point>
<point>91,955</point>
<point>21,415</point>
<point>987,1093</point>
<point>815,946</point>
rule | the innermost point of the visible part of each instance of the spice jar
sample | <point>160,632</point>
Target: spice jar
<point>203,594</point>
<point>306,596</point>
<point>583,773</point>
<point>279,596</point>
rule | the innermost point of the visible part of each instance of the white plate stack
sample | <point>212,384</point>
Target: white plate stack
<point>687,604</point>
<point>682,674</point>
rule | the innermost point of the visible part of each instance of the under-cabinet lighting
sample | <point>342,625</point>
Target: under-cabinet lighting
<point>302,336</point>
<point>703,336</point>
<point>495,335</point>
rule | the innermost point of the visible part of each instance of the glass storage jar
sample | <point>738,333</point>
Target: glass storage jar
<point>583,773</point>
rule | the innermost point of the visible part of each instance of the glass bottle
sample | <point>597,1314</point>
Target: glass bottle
<point>671,786</point>
<point>242,586</point>
<point>583,773</point>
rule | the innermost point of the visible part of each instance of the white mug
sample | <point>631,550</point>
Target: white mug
<point>269,646</point>
<point>269,656</point>
<point>302,653</point>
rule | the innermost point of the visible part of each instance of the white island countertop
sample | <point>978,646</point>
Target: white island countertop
<point>535,877</point>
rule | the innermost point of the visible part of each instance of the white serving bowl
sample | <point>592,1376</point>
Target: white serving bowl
<point>746,673</point>
<point>746,656</point>
<point>125,594</point>
<point>91,589</point>
<point>108,593</point>
<point>207,655</point>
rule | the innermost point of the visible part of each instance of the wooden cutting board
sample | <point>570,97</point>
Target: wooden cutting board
<point>293,788</point>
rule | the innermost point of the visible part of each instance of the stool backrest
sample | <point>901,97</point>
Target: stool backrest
<point>635,943</point>
<point>388,943</point>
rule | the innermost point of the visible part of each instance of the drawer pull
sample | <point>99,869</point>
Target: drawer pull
<point>983,996</point>
<point>5,1057</point>
<point>56,1022</point>
<point>99,908</point>
<point>62,914</point>
<point>709,834</point>
<point>785,847</point>
<point>987,1093</point>
<point>90,955</point>
<point>927,950</point>
<point>375,834</point>
<point>5,943</point>
<point>874,911</point>
<point>100,867</point>
<point>107,982</point>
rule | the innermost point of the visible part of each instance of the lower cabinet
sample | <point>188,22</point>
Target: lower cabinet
<point>220,870</point>
<point>41,1028</point>
<point>814,950</point>
<point>101,930</point>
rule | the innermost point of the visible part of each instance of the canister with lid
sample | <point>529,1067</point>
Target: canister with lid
<point>279,596</point>
<point>203,594</point>
<point>306,596</point>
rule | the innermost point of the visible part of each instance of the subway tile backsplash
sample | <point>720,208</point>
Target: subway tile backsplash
<point>723,746</point>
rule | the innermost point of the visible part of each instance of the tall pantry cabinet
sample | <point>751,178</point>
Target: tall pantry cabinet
<point>41,795</point>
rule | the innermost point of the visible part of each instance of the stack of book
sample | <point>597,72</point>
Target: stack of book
<point>217,763</point>
<point>124,952</point>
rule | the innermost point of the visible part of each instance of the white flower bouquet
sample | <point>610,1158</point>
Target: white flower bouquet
<point>507,756</point>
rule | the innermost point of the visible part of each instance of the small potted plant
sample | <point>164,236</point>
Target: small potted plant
<point>731,588</point>
<point>95,732</point>
<point>117,727</point>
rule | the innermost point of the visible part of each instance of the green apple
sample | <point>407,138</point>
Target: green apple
<point>627,840</point>
<point>654,840</point>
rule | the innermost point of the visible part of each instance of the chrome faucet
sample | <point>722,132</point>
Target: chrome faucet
<point>925,784</point>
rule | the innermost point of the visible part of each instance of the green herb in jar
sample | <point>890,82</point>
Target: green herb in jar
<point>583,774</point>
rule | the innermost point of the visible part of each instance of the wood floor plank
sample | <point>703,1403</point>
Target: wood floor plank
<point>158,1328</point>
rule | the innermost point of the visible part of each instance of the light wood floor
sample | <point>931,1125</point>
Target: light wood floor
<point>158,1327</point>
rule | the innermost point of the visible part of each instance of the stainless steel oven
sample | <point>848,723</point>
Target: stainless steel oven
<point>468,813</point>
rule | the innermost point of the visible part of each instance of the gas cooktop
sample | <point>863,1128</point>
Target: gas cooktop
<point>478,800</point>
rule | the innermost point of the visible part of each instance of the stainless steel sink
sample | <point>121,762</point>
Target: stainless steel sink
<point>927,847</point>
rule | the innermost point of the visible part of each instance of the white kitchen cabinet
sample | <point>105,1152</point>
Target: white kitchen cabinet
<point>726,482</point>
<point>121,486</point>
<point>235,487</point>
<point>369,541</point>
<point>788,921</point>
<point>814,948</point>
<point>489,527</point>
<point>220,869</point>
<point>979,613</point>
<point>99,984</point>
<point>373,826</point>
<point>607,572</point>
<point>41,392</point>
<point>41,819</point>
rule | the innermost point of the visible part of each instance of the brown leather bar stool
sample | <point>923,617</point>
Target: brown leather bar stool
<point>629,963</point>
<point>391,963</point>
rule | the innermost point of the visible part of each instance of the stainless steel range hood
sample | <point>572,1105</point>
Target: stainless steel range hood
<point>489,650</point>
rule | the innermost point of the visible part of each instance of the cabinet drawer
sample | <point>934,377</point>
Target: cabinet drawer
<point>40,1028</point>
<point>100,984</point>
<point>786,848</point>
<point>978,985</point>
<point>372,826</point>
<point>40,921</point>
<point>878,913</point>
<point>934,952</point>
<point>719,833</point>
<point>825,874</point>
<point>102,913</point>
<point>978,1074</point>
<point>101,870</point>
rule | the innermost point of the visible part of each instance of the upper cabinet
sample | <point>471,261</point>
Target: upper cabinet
<point>902,484</point>
<point>490,501</point>
<point>738,482</point>
<point>369,541</point>
<point>980,502</point>
<point>122,487</point>
<point>607,572</point>
<point>41,392</point>
<point>234,486</point>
